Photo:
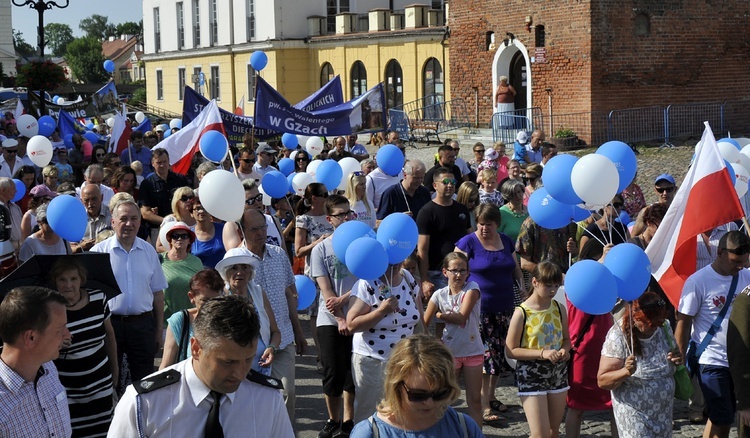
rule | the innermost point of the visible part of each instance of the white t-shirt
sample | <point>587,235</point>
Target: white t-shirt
<point>324,263</point>
<point>462,340</point>
<point>703,297</point>
<point>377,182</point>
<point>461,163</point>
<point>362,215</point>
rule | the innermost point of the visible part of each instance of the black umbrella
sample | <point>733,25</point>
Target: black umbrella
<point>34,272</point>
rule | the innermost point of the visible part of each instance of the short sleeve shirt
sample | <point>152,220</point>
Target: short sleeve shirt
<point>274,274</point>
<point>324,263</point>
<point>445,225</point>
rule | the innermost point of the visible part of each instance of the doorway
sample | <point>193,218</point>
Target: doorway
<point>517,77</point>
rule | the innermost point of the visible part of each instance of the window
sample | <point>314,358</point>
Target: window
<point>125,75</point>
<point>250,20</point>
<point>157,31</point>
<point>159,85</point>
<point>180,26</point>
<point>196,23</point>
<point>394,87</point>
<point>213,22</point>
<point>197,80</point>
<point>642,24</point>
<point>359,79</point>
<point>335,7</point>
<point>215,91</point>
<point>251,79</point>
<point>432,80</point>
<point>326,73</point>
<point>539,36</point>
<point>181,82</point>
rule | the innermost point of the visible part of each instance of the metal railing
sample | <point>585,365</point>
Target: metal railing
<point>419,120</point>
<point>507,124</point>
<point>686,120</point>
<point>160,112</point>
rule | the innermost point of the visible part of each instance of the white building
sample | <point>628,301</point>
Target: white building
<point>7,51</point>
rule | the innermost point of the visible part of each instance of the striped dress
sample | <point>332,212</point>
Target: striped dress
<point>85,370</point>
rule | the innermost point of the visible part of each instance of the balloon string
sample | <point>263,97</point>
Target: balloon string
<point>630,313</point>
<point>590,234</point>
<point>613,228</point>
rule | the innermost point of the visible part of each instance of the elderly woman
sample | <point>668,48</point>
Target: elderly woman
<point>368,165</point>
<point>179,266</point>
<point>204,285</point>
<point>494,267</point>
<point>419,387</point>
<point>182,201</point>
<point>88,362</point>
<point>237,268</point>
<point>45,241</point>
<point>40,194</point>
<point>534,180</point>
<point>638,366</point>
<point>513,212</point>
<point>505,95</point>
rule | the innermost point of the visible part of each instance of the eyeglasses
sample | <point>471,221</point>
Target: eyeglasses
<point>303,158</point>
<point>247,160</point>
<point>198,208</point>
<point>420,395</point>
<point>322,195</point>
<point>11,151</point>
<point>99,155</point>
<point>457,271</point>
<point>479,151</point>
<point>256,229</point>
<point>255,199</point>
<point>181,236</point>
<point>665,189</point>
<point>186,198</point>
<point>740,250</point>
<point>451,181</point>
<point>343,214</point>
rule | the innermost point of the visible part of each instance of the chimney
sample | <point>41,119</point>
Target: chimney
<point>379,19</point>
<point>416,16</point>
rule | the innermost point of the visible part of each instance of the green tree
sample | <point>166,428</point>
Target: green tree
<point>130,28</point>
<point>85,59</point>
<point>22,47</point>
<point>58,36</point>
<point>95,26</point>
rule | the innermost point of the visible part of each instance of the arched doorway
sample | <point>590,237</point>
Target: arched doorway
<point>326,73</point>
<point>512,60</point>
<point>394,84</point>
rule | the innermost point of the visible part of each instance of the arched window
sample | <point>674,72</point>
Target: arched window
<point>359,79</point>
<point>432,80</point>
<point>394,84</point>
<point>326,73</point>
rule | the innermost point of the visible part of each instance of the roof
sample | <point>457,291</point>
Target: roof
<point>116,49</point>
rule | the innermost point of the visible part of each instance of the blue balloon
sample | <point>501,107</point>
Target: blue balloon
<point>289,179</point>
<point>398,234</point>
<point>67,217</point>
<point>109,66</point>
<point>366,258</point>
<point>624,159</point>
<point>286,166</point>
<point>90,125</point>
<point>732,141</point>
<point>47,126</point>
<point>591,287</point>
<point>258,60</point>
<point>347,233</point>
<point>548,212</point>
<point>624,217</point>
<point>274,183</point>
<point>580,214</point>
<point>214,146</point>
<point>390,159</point>
<point>556,177</point>
<point>329,173</point>
<point>290,141</point>
<point>167,133</point>
<point>68,140</point>
<point>93,137</point>
<point>305,291</point>
<point>730,171</point>
<point>631,269</point>
<point>20,190</point>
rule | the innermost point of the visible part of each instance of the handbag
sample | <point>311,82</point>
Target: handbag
<point>695,351</point>
<point>683,387</point>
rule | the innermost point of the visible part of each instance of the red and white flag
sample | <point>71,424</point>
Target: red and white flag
<point>183,144</point>
<point>240,110</point>
<point>705,200</point>
<point>120,138</point>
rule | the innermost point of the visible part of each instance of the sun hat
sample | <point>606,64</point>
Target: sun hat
<point>491,154</point>
<point>181,226</point>
<point>42,191</point>
<point>236,256</point>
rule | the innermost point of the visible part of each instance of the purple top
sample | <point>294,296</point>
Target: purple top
<point>492,271</point>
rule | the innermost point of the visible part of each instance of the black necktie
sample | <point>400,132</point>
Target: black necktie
<point>213,426</point>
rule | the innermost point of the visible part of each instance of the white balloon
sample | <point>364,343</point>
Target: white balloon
<point>222,195</point>
<point>39,149</point>
<point>60,100</point>
<point>743,160</point>
<point>266,197</point>
<point>595,179</point>
<point>728,151</point>
<point>746,151</point>
<point>300,183</point>
<point>163,233</point>
<point>111,122</point>
<point>27,125</point>
<point>174,123</point>
<point>312,168</point>
<point>743,178</point>
<point>302,140</point>
<point>348,165</point>
<point>140,117</point>
<point>314,145</point>
<point>743,141</point>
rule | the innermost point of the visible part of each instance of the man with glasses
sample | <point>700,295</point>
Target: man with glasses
<point>136,152</point>
<point>358,151</point>
<point>441,223</point>
<point>705,295</point>
<point>460,162</point>
<point>446,160</point>
<point>408,196</point>
<point>264,154</point>
<point>10,162</point>
<point>334,338</point>
<point>232,236</point>
<point>246,160</point>
<point>94,175</point>
<point>665,187</point>
<point>97,218</point>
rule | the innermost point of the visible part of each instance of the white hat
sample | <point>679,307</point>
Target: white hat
<point>10,143</point>
<point>490,154</point>
<point>236,256</point>
<point>522,137</point>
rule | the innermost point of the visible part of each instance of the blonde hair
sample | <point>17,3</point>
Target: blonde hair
<point>179,193</point>
<point>137,166</point>
<point>351,192</point>
<point>427,356</point>
<point>466,191</point>
<point>488,174</point>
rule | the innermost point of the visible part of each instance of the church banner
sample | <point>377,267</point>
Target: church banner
<point>102,103</point>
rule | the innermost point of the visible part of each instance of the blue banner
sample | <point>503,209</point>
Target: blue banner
<point>103,102</point>
<point>68,125</point>
<point>363,114</point>
<point>329,96</point>
<point>145,126</point>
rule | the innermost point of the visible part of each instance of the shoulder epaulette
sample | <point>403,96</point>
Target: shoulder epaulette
<point>157,381</point>
<point>264,380</point>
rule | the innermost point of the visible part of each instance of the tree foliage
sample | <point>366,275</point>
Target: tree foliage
<point>22,47</point>
<point>95,26</point>
<point>84,56</point>
<point>58,36</point>
<point>40,75</point>
<point>130,28</point>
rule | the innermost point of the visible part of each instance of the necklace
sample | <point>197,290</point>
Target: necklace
<point>80,298</point>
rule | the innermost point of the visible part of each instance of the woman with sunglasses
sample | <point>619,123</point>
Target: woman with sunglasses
<point>182,207</point>
<point>606,229</point>
<point>301,160</point>
<point>468,195</point>
<point>533,180</point>
<point>97,155</point>
<point>179,266</point>
<point>419,387</point>
<point>208,245</point>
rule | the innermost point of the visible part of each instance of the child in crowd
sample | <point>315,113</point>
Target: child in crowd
<point>458,306</point>
<point>138,167</point>
<point>490,161</point>
<point>538,339</point>
<point>488,193</point>
<point>64,169</point>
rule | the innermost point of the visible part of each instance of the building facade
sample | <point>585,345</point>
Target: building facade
<point>7,51</point>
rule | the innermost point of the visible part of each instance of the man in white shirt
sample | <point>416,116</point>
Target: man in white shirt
<point>10,162</point>
<point>357,150</point>
<point>94,174</point>
<point>264,154</point>
<point>377,182</point>
<point>214,393</point>
<point>245,162</point>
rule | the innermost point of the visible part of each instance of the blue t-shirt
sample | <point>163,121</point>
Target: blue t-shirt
<point>519,152</point>
<point>175,323</point>
<point>210,251</point>
<point>448,426</point>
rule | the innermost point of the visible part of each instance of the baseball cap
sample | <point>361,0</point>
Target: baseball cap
<point>42,191</point>
<point>159,128</point>
<point>665,177</point>
<point>264,147</point>
<point>10,143</point>
<point>522,137</point>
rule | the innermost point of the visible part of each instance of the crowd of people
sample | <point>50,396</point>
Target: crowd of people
<point>217,301</point>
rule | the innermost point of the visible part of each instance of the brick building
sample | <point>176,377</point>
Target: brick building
<point>580,56</point>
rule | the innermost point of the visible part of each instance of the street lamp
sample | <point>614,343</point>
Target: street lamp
<point>41,6</point>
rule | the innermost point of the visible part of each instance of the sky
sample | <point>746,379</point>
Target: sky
<point>26,19</point>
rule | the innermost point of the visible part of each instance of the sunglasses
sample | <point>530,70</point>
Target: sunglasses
<point>247,160</point>
<point>322,195</point>
<point>255,199</point>
<point>447,181</point>
<point>99,155</point>
<point>180,236</point>
<point>479,151</point>
<point>358,173</point>
<point>343,214</point>
<point>186,198</point>
<point>664,189</point>
<point>420,396</point>
<point>302,158</point>
<point>11,151</point>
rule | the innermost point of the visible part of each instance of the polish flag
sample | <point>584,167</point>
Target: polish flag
<point>183,144</point>
<point>120,138</point>
<point>240,110</point>
<point>705,200</point>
